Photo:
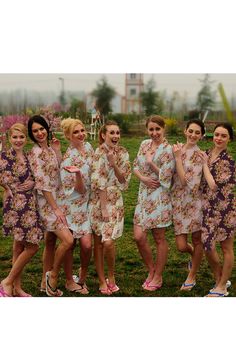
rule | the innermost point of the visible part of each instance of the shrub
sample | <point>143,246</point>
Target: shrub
<point>171,126</point>
<point>124,121</point>
<point>9,120</point>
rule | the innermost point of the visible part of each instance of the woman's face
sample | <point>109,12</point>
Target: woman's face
<point>78,135</point>
<point>18,140</point>
<point>39,132</point>
<point>193,133</point>
<point>155,132</point>
<point>221,137</point>
<point>112,136</point>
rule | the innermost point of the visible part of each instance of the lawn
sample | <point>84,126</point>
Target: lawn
<point>130,271</point>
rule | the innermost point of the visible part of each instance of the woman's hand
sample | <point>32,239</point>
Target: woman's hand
<point>60,216</point>
<point>55,144</point>
<point>105,215</point>
<point>204,157</point>
<point>177,149</point>
<point>150,182</point>
<point>111,158</point>
<point>26,186</point>
<point>111,155</point>
<point>72,169</point>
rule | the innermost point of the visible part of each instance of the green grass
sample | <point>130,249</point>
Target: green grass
<point>130,271</point>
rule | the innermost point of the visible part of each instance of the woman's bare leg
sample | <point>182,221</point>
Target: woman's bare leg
<point>162,252</point>
<point>18,266</point>
<point>66,243</point>
<point>145,251</point>
<point>109,253</point>
<point>85,256</point>
<point>99,261</point>
<point>48,255</point>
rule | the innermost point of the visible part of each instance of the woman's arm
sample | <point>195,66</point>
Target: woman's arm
<point>79,183</point>
<point>209,178</point>
<point>207,174</point>
<point>56,146</point>
<point>177,149</point>
<point>151,164</point>
<point>118,173</point>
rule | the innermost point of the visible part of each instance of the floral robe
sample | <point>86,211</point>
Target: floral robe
<point>74,204</point>
<point>187,200</point>
<point>219,207</point>
<point>103,177</point>
<point>154,205</point>
<point>20,212</point>
<point>46,172</point>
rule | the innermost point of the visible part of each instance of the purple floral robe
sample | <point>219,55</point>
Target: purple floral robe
<point>20,212</point>
<point>219,207</point>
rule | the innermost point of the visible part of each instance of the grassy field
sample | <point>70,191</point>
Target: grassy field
<point>130,271</point>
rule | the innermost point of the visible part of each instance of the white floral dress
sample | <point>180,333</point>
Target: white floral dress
<point>187,200</point>
<point>103,177</point>
<point>154,208</point>
<point>74,204</point>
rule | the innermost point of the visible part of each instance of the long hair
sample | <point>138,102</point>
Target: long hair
<point>40,120</point>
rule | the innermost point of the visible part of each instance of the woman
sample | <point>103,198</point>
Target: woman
<point>154,168</point>
<point>111,173</point>
<point>219,208</point>
<point>75,177</point>
<point>45,159</point>
<point>186,198</point>
<point>20,212</point>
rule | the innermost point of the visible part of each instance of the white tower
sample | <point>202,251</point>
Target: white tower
<point>133,87</point>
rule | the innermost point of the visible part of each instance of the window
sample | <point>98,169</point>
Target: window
<point>132,92</point>
<point>132,76</point>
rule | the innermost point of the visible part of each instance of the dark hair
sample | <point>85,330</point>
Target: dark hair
<point>156,119</point>
<point>40,120</point>
<point>227,126</point>
<point>103,130</point>
<point>197,122</point>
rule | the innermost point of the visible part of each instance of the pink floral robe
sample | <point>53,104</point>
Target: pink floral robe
<point>46,172</point>
<point>187,200</point>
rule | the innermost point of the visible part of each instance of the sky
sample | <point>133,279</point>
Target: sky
<point>183,83</point>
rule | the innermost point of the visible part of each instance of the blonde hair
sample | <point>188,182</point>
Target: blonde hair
<point>69,124</point>
<point>103,130</point>
<point>17,127</point>
<point>156,119</point>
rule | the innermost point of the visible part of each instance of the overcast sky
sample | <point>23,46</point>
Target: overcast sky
<point>182,83</point>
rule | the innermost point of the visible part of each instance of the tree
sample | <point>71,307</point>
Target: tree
<point>206,97</point>
<point>152,101</point>
<point>103,94</point>
<point>77,108</point>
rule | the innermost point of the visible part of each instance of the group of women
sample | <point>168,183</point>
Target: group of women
<point>79,197</point>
